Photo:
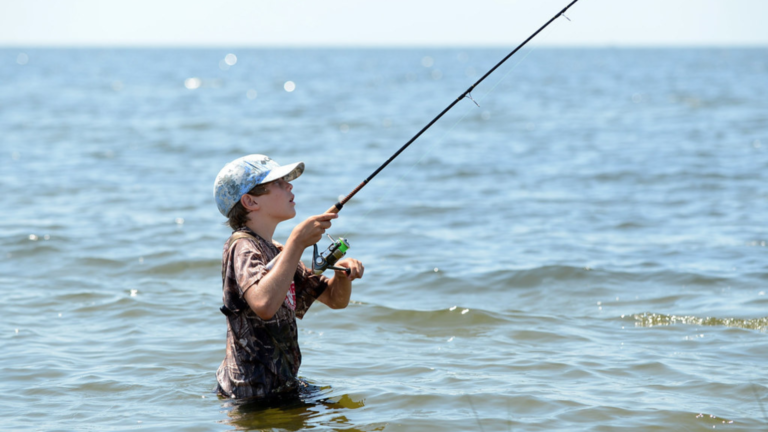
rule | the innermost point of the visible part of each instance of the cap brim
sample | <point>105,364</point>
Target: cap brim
<point>288,172</point>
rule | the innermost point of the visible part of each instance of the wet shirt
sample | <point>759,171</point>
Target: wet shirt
<point>263,356</point>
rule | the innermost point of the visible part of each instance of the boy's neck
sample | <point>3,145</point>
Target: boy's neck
<point>264,229</point>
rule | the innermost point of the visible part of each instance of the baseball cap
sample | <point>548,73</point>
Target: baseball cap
<point>243,174</point>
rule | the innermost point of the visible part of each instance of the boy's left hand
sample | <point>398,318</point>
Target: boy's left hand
<point>355,267</point>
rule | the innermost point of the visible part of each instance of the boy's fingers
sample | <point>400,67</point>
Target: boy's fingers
<point>356,268</point>
<point>323,221</point>
<point>326,216</point>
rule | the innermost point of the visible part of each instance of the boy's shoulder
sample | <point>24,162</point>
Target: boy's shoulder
<point>245,241</point>
<point>234,240</point>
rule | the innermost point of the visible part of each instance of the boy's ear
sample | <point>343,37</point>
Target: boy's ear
<point>249,202</point>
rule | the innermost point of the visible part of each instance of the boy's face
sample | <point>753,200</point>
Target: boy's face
<point>278,203</point>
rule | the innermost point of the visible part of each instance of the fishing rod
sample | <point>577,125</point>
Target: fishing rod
<point>337,249</point>
<point>467,93</point>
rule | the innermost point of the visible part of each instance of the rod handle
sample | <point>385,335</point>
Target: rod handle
<point>335,209</point>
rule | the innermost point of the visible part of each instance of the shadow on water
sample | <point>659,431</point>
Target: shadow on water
<point>474,411</point>
<point>310,407</point>
<point>759,402</point>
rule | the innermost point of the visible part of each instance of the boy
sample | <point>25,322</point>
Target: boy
<point>261,304</point>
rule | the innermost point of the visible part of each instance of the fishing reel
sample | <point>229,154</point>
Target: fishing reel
<point>326,260</point>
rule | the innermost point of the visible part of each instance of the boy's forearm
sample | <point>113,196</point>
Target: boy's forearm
<point>339,292</point>
<point>268,295</point>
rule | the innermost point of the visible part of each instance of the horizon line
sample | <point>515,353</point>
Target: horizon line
<point>385,46</point>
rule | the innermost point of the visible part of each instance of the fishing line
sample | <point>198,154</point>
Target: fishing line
<point>440,139</point>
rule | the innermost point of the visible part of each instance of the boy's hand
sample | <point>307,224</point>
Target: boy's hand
<point>355,267</point>
<point>311,230</point>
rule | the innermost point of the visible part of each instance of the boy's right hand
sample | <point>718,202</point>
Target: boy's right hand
<point>311,230</point>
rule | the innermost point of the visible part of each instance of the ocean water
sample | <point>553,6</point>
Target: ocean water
<point>586,250</point>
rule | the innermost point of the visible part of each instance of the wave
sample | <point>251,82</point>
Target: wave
<point>453,317</point>
<point>206,266</point>
<point>652,320</point>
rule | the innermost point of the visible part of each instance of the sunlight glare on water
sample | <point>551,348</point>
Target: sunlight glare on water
<point>193,83</point>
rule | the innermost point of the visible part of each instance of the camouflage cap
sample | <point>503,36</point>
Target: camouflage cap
<point>243,174</point>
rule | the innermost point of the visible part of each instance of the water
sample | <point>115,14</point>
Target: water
<point>585,251</point>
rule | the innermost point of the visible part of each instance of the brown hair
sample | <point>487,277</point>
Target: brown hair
<point>238,216</point>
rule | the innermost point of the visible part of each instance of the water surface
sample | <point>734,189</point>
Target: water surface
<point>584,251</point>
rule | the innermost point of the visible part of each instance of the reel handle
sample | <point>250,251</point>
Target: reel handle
<point>344,269</point>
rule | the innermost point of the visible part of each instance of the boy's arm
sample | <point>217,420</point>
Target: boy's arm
<point>266,297</point>
<point>336,296</point>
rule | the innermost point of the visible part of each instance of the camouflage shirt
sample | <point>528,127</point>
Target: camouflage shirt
<point>263,356</point>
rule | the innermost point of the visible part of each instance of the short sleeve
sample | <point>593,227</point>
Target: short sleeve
<point>248,264</point>
<point>308,288</point>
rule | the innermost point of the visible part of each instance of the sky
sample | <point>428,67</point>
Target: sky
<point>284,23</point>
